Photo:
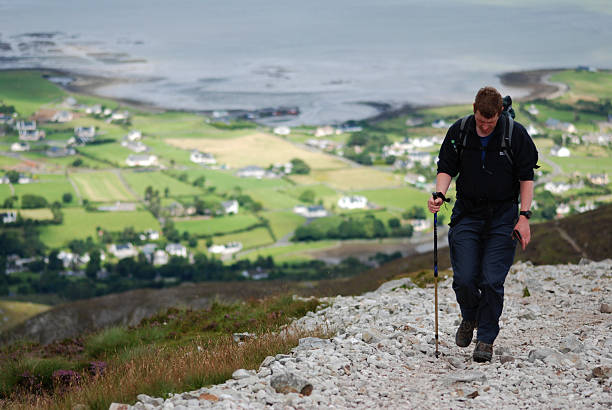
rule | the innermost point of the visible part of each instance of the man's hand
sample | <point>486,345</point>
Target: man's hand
<point>434,204</point>
<point>522,226</point>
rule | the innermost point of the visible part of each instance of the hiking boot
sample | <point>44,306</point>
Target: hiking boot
<point>483,352</point>
<point>464,335</point>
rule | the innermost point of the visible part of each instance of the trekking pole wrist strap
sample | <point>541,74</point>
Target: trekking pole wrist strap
<point>438,194</point>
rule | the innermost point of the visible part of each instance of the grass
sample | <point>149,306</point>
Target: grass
<point>79,224</point>
<point>250,239</point>
<point>112,153</point>
<point>584,164</point>
<point>350,179</point>
<point>215,226</point>
<point>192,348</point>
<point>181,125</point>
<point>283,223</point>
<point>139,181</point>
<point>101,186</point>
<point>273,198</point>
<point>399,198</point>
<point>232,151</point>
<point>36,214</point>
<point>12,313</point>
<point>290,253</point>
<point>27,91</point>
<point>51,187</point>
<point>583,83</point>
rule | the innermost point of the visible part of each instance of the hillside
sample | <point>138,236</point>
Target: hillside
<point>68,320</point>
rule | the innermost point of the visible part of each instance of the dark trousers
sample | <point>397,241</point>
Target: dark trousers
<point>482,251</point>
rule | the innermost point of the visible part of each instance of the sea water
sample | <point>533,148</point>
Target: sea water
<point>331,58</point>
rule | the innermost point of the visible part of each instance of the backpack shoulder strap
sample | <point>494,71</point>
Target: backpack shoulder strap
<point>462,136</point>
<point>506,143</point>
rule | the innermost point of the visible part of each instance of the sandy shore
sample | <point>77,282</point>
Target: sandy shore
<point>535,81</point>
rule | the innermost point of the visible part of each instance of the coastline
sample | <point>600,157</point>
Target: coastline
<point>536,82</point>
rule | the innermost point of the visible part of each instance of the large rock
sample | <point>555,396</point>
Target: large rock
<point>290,383</point>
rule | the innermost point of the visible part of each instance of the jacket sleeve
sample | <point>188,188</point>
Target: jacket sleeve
<point>525,154</point>
<point>448,159</point>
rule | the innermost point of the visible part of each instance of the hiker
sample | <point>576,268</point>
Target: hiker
<point>494,157</point>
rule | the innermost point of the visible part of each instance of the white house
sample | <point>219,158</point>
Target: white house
<point>562,210</point>
<point>123,250</point>
<point>439,124</point>
<point>202,158</point>
<point>149,234</point>
<point>25,126</point>
<point>324,131</point>
<point>423,158</point>
<point>141,160</point>
<point>94,109</point>
<point>227,249</point>
<point>560,152</point>
<point>20,146</point>
<point>533,110</point>
<point>62,116</point>
<point>420,225</point>
<point>6,119</point>
<point>598,179</point>
<point>31,135</point>
<point>313,211</point>
<point>56,152</point>
<point>8,217</point>
<point>134,135</point>
<point>160,257</point>
<point>120,115</point>
<point>353,202</point>
<point>136,146</point>
<point>282,130</point>
<point>176,249</point>
<point>230,207</point>
<point>252,171</point>
<point>531,130</point>
<point>85,133</point>
<point>557,187</point>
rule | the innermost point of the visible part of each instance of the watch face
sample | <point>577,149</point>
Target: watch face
<point>526,213</point>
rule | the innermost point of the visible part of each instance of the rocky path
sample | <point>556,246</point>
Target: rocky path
<point>554,351</point>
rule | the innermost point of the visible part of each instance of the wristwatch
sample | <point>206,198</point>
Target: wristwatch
<point>526,214</point>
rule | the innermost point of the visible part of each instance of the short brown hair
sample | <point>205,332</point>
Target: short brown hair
<point>488,101</point>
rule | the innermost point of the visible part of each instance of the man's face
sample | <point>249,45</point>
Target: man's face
<point>484,125</point>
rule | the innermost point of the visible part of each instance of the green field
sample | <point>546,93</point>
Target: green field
<point>27,91</point>
<point>50,186</point>
<point>79,224</point>
<point>5,192</point>
<point>8,162</point>
<point>349,179</point>
<point>584,83</point>
<point>112,153</point>
<point>250,239</point>
<point>226,180</point>
<point>273,199</point>
<point>139,181</point>
<point>290,253</point>
<point>101,187</point>
<point>398,199</point>
<point>585,164</point>
<point>214,226</point>
<point>283,223</point>
<point>181,125</point>
<point>585,122</point>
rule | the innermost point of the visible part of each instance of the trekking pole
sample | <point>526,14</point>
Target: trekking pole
<point>436,195</point>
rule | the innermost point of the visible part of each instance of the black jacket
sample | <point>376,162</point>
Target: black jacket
<point>493,179</point>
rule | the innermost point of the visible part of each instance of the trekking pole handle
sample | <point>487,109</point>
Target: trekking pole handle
<point>440,195</point>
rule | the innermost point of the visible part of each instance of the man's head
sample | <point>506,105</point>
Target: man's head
<point>487,108</point>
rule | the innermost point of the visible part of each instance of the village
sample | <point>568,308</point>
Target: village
<point>182,196</point>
